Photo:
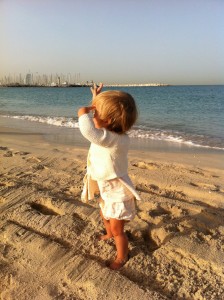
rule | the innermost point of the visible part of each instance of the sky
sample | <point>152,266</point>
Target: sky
<point>115,41</point>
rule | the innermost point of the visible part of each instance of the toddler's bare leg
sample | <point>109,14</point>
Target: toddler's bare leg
<point>121,242</point>
<point>107,227</point>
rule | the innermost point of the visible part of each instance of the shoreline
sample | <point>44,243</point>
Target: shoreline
<point>71,138</point>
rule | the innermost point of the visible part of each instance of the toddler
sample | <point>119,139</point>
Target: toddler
<point>105,124</point>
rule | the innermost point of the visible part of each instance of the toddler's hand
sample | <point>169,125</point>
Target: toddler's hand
<point>96,89</point>
<point>85,110</point>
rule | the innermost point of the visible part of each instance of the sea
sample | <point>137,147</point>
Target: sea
<point>180,116</point>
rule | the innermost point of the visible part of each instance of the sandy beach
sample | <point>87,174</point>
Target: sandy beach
<point>49,247</point>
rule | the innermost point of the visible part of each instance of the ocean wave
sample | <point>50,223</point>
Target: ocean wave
<point>177,137</point>
<point>138,132</point>
<point>56,121</point>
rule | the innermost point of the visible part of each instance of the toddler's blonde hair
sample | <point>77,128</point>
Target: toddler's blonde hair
<point>117,108</point>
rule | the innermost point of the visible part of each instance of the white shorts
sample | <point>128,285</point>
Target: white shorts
<point>117,200</point>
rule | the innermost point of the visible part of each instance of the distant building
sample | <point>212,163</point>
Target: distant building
<point>28,79</point>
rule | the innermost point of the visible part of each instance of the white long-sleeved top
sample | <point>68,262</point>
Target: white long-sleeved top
<point>108,150</point>
<point>107,157</point>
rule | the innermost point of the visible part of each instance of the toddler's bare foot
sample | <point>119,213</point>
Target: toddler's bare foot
<point>105,237</point>
<point>118,263</point>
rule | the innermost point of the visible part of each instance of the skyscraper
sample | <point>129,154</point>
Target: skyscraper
<point>28,79</point>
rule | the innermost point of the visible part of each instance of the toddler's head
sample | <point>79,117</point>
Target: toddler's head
<point>117,109</point>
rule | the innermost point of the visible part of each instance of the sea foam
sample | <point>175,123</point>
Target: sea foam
<point>138,132</point>
<point>56,121</point>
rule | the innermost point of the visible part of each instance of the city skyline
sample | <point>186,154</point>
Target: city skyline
<point>36,79</point>
<point>173,42</point>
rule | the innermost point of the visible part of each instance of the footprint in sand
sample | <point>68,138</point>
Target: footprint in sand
<point>46,209</point>
<point>162,235</point>
<point>79,224</point>
<point>73,190</point>
<point>8,154</point>
<point>22,153</point>
<point>197,172</point>
<point>206,186</point>
<point>156,216</point>
<point>173,194</point>
<point>163,222</point>
<point>3,148</point>
<point>143,165</point>
<point>150,189</point>
<point>154,189</point>
<point>160,213</point>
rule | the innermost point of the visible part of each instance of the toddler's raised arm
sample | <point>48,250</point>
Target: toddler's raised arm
<point>99,136</point>
<point>85,110</point>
